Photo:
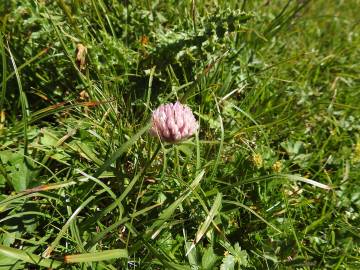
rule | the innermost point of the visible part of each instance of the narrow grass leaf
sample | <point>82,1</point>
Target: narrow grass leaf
<point>253,212</point>
<point>25,213</point>
<point>286,177</point>
<point>317,223</point>
<point>213,212</point>
<point>218,156</point>
<point>144,210</point>
<point>51,247</point>
<point>28,257</point>
<point>168,212</point>
<point>96,256</point>
<point>103,233</point>
<point>99,236</point>
<point>97,181</point>
<point>205,225</point>
<point>25,64</point>
<point>116,203</point>
<point>163,257</point>
<point>121,150</point>
<point>34,190</point>
<point>305,180</point>
<point>4,71</point>
<point>192,254</point>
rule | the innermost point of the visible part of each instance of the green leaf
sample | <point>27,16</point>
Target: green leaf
<point>7,262</point>
<point>19,176</point>
<point>228,263</point>
<point>208,259</point>
<point>241,256</point>
<point>17,173</point>
<point>8,238</point>
<point>49,139</point>
<point>192,256</point>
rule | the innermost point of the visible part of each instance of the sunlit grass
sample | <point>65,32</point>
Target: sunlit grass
<point>269,181</point>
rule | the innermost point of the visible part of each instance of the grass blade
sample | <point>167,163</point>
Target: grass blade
<point>209,219</point>
<point>28,257</point>
<point>286,177</point>
<point>96,256</point>
<point>253,212</point>
<point>168,212</point>
<point>121,151</point>
<point>35,190</point>
<point>51,247</point>
<point>213,212</point>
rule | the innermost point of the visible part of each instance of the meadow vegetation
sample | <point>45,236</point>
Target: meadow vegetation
<point>271,179</point>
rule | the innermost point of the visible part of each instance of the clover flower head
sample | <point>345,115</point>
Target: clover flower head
<point>173,122</point>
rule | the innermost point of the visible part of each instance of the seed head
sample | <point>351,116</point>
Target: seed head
<point>173,122</point>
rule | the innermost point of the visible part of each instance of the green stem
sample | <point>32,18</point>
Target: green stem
<point>141,185</point>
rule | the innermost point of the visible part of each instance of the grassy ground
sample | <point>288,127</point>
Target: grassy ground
<point>271,180</point>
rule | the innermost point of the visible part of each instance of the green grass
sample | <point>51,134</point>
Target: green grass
<point>269,182</point>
